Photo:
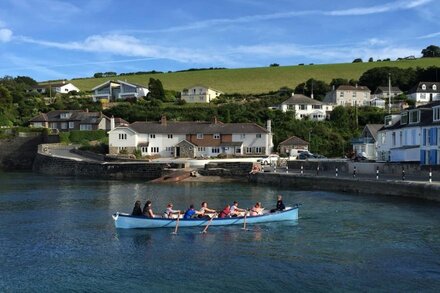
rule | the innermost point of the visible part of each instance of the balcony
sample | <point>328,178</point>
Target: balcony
<point>362,140</point>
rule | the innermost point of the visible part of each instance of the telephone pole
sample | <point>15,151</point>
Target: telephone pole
<point>389,93</point>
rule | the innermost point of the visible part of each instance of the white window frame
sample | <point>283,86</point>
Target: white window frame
<point>170,135</point>
<point>215,150</point>
<point>216,136</point>
<point>152,136</point>
<point>71,125</point>
<point>258,135</point>
<point>199,136</point>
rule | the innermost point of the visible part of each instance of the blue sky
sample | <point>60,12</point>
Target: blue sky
<point>54,39</point>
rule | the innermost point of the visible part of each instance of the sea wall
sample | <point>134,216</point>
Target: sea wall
<point>18,153</point>
<point>419,190</point>
<point>227,169</point>
<point>51,165</point>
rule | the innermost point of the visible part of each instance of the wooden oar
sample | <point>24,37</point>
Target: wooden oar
<point>244,222</point>
<point>177,223</point>
<point>209,223</point>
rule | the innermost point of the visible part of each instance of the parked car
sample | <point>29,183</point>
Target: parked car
<point>305,155</point>
<point>269,160</point>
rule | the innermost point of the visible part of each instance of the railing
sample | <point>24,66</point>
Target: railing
<point>362,140</point>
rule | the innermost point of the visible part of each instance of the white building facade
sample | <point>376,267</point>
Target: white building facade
<point>425,92</point>
<point>191,139</point>
<point>199,94</point>
<point>348,95</point>
<point>118,90</point>
<point>306,108</point>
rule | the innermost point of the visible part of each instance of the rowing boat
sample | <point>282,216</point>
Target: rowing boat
<point>127,221</point>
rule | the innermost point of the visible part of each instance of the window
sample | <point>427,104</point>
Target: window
<point>404,118</point>
<point>316,107</point>
<point>436,113</point>
<point>199,135</point>
<point>258,150</point>
<point>248,150</point>
<point>38,124</point>
<point>290,107</point>
<point>341,94</point>
<point>303,107</point>
<point>122,136</point>
<point>414,117</point>
<point>434,87</point>
<point>393,135</point>
<point>401,138</point>
<point>63,125</point>
<point>170,136</point>
<point>122,148</point>
<point>201,149</point>
<point>243,136</point>
<point>144,149</point>
<point>215,150</point>
<point>154,150</point>
<point>54,125</point>
<point>258,135</point>
<point>65,115</point>
<point>71,125</point>
<point>423,96</point>
<point>201,98</point>
<point>423,86</point>
<point>152,136</point>
<point>238,150</point>
<point>169,149</point>
<point>216,135</point>
<point>85,127</point>
<point>354,95</point>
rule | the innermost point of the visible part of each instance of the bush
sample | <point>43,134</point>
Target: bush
<point>80,136</point>
<point>137,153</point>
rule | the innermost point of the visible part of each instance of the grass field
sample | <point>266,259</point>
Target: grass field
<point>258,80</point>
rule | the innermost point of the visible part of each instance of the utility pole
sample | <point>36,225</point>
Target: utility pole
<point>312,91</point>
<point>389,93</point>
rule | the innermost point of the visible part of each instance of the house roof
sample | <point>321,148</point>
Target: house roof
<point>53,85</point>
<point>359,88</point>
<point>76,115</point>
<point>120,121</point>
<point>189,127</point>
<point>373,129</point>
<point>384,89</point>
<point>294,140</point>
<point>118,82</point>
<point>301,99</point>
<point>418,88</point>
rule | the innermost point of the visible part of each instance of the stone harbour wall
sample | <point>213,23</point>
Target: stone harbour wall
<point>420,190</point>
<point>18,153</point>
<point>227,169</point>
<point>56,166</point>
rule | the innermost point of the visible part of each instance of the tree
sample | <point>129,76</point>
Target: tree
<point>274,65</point>
<point>98,75</point>
<point>156,90</point>
<point>319,87</point>
<point>357,60</point>
<point>402,78</point>
<point>371,59</point>
<point>431,51</point>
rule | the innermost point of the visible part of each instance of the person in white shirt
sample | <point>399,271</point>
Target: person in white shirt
<point>169,212</point>
<point>236,211</point>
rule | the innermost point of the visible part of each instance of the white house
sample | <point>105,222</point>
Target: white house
<point>191,139</point>
<point>199,94</point>
<point>55,88</point>
<point>348,95</point>
<point>412,136</point>
<point>366,143</point>
<point>425,92</point>
<point>305,107</point>
<point>118,90</point>
<point>377,102</point>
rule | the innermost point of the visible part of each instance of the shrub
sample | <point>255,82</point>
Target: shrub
<point>81,136</point>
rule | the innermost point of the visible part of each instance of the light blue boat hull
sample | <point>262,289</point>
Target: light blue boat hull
<point>126,221</point>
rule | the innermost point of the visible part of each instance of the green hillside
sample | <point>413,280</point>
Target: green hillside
<point>258,80</point>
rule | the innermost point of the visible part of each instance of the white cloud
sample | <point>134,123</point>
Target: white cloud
<point>428,36</point>
<point>387,7</point>
<point>5,35</point>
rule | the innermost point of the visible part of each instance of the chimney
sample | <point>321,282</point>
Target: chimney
<point>112,123</point>
<point>163,120</point>
<point>293,93</point>
<point>87,110</point>
<point>333,87</point>
<point>269,126</point>
<point>311,96</point>
<point>214,120</point>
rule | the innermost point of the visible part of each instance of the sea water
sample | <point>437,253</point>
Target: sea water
<point>57,234</point>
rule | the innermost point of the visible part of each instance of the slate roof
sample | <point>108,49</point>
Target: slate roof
<point>384,89</point>
<point>53,85</point>
<point>301,99</point>
<point>118,82</point>
<point>373,129</point>
<point>189,127</point>
<point>294,140</point>
<point>77,115</point>
<point>418,87</point>
<point>359,88</point>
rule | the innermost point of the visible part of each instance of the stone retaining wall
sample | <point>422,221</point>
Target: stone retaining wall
<point>389,188</point>
<point>18,153</point>
<point>227,169</point>
<point>50,165</point>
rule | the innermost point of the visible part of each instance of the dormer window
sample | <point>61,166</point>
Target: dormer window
<point>434,87</point>
<point>414,117</point>
<point>404,118</point>
<point>388,120</point>
<point>424,87</point>
<point>65,115</point>
<point>436,113</point>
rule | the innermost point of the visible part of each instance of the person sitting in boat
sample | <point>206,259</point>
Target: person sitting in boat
<point>236,211</point>
<point>204,210</point>
<point>257,209</point>
<point>169,212</point>
<point>280,205</point>
<point>190,213</point>
<point>226,212</point>
<point>148,211</point>
<point>137,211</point>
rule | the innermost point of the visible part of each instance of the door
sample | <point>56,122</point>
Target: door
<point>177,152</point>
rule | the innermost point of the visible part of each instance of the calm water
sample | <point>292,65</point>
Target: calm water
<point>57,234</point>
